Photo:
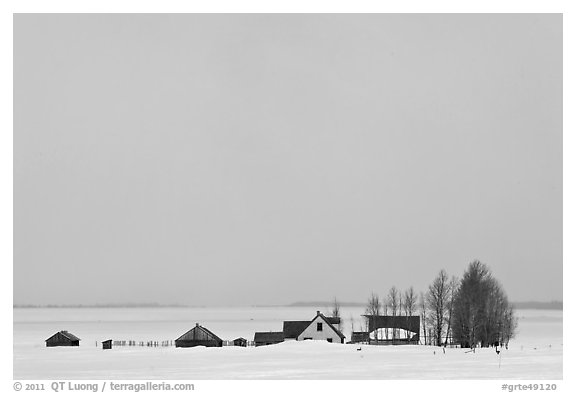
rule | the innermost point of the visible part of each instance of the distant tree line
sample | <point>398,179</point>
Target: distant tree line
<point>471,311</point>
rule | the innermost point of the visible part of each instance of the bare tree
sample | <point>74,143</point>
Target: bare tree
<point>385,313</point>
<point>373,311</point>
<point>336,314</point>
<point>481,312</point>
<point>409,303</point>
<point>423,316</point>
<point>336,308</point>
<point>509,326</point>
<point>351,326</point>
<point>393,296</point>
<point>437,298</point>
<point>468,304</point>
<point>399,305</point>
<point>453,287</point>
<point>410,300</point>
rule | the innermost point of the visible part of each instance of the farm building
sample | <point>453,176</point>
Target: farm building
<point>197,336</point>
<point>360,337</point>
<point>410,324</point>
<point>268,338</point>
<point>107,344</point>
<point>63,339</point>
<point>240,342</point>
<point>319,328</point>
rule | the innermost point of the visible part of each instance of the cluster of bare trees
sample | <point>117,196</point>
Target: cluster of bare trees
<point>396,303</point>
<point>436,309</point>
<point>468,312</point>
<point>482,313</point>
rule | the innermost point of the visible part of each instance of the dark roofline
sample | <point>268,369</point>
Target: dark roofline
<point>275,336</point>
<point>334,320</point>
<point>66,334</point>
<point>338,332</point>
<point>292,329</point>
<point>210,332</point>
<point>200,327</point>
<point>406,322</point>
<point>308,323</point>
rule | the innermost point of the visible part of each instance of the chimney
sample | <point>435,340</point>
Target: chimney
<point>197,324</point>
<point>317,312</point>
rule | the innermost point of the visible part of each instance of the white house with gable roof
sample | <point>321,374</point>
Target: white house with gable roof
<point>320,328</point>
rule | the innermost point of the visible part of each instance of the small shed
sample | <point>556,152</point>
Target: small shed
<point>107,344</point>
<point>360,337</point>
<point>240,342</point>
<point>198,336</point>
<point>63,339</point>
<point>268,338</point>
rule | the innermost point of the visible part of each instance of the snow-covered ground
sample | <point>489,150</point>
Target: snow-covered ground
<point>535,354</point>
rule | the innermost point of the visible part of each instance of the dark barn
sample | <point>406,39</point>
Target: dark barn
<point>410,324</point>
<point>107,344</point>
<point>63,339</point>
<point>268,338</point>
<point>197,336</point>
<point>240,342</point>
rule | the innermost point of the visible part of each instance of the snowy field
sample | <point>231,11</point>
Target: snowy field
<point>535,354</point>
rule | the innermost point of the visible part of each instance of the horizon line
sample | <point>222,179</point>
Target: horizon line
<point>320,303</point>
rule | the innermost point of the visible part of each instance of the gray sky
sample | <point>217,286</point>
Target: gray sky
<point>265,159</point>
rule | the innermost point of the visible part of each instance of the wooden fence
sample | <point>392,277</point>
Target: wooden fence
<point>134,343</point>
<point>162,343</point>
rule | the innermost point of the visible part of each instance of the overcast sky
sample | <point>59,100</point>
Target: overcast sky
<point>266,159</point>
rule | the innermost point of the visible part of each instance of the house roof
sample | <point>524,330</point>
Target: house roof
<point>410,323</point>
<point>66,334</point>
<point>69,335</point>
<point>276,337</point>
<point>338,332</point>
<point>292,329</point>
<point>192,334</point>
<point>240,339</point>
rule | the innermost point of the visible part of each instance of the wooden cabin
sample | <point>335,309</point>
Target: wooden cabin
<point>107,344</point>
<point>198,336</point>
<point>240,342</point>
<point>63,339</point>
<point>268,338</point>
